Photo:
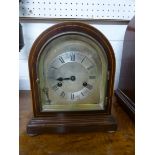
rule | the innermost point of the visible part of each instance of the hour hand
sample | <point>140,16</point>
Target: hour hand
<point>61,79</point>
<point>72,78</point>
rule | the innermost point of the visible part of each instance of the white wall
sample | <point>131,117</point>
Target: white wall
<point>113,31</point>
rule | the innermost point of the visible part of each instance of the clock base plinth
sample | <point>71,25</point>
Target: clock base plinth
<point>74,123</point>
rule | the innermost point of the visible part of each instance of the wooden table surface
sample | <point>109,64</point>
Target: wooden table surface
<point>121,142</point>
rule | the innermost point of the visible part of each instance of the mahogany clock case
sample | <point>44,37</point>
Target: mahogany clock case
<point>70,121</point>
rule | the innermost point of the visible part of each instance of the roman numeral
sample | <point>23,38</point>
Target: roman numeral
<point>89,86</point>
<point>82,94</point>
<point>72,57</point>
<point>61,59</point>
<point>72,96</point>
<point>62,94</point>
<point>83,59</point>
<point>53,67</point>
<point>92,77</point>
<point>90,67</point>
<point>55,87</point>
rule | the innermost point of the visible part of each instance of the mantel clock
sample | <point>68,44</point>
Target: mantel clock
<point>71,67</point>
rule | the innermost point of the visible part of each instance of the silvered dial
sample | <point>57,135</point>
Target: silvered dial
<point>72,76</point>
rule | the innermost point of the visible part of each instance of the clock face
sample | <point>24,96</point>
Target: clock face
<point>72,74</point>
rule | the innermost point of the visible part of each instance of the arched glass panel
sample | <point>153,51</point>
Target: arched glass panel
<point>72,71</point>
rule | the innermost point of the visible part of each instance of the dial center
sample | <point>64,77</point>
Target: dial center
<point>73,78</point>
<point>72,75</point>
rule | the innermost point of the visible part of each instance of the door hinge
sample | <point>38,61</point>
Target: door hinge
<point>37,81</point>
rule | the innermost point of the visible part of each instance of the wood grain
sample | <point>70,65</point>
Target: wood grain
<point>120,142</point>
<point>71,124</point>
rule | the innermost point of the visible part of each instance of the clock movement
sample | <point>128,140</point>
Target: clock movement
<point>71,67</point>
